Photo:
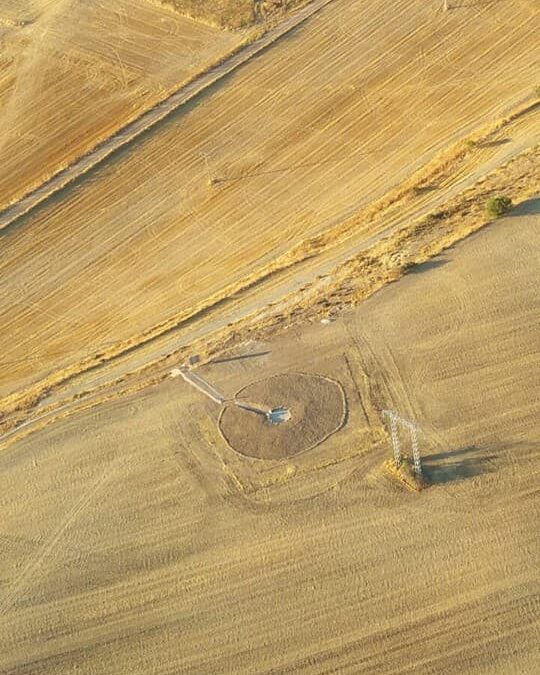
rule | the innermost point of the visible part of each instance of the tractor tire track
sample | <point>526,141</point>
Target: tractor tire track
<point>46,551</point>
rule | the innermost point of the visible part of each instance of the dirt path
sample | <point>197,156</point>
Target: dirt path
<point>158,113</point>
<point>282,285</point>
<point>31,571</point>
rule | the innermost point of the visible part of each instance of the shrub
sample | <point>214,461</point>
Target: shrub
<point>537,91</point>
<point>498,206</point>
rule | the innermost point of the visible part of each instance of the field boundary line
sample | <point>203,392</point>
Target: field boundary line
<point>157,113</point>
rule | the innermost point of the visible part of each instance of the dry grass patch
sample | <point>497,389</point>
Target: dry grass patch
<point>232,13</point>
<point>405,474</point>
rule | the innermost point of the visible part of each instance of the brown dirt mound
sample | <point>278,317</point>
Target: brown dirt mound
<point>318,409</point>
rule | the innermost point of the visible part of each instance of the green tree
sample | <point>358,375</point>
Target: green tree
<point>498,206</point>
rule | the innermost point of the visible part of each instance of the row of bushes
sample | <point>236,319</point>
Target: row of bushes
<point>498,206</point>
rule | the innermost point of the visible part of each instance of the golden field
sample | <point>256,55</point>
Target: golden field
<point>157,550</point>
<point>315,128</point>
<point>72,73</point>
<point>301,205</point>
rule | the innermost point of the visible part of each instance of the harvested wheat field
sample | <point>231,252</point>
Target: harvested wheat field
<point>335,114</point>
<point>159,549</point>
<point>72,73</point>
<point>235,238</point>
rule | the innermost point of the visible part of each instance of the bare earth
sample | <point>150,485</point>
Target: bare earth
<point>317,405</point>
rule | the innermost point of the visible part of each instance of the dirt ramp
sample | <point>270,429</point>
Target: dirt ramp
<point>318,409</point>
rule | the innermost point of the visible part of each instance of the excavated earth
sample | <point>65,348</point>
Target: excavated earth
<point>317,406</point>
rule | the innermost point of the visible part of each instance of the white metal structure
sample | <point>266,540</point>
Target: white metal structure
<point>278,415</point>
<point>396,420</point>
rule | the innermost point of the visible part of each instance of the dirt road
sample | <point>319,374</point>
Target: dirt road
<point>155,224</point>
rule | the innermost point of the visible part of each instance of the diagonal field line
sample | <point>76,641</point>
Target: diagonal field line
<point>48,548</point>
<point>13,431</point>
<point>157,113</point>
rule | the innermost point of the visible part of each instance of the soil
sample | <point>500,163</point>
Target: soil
<point>318,409</point>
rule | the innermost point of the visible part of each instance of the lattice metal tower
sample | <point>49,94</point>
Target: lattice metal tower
<point>397,422</point>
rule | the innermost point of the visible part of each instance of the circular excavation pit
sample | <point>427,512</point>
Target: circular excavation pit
<point>303,411</point>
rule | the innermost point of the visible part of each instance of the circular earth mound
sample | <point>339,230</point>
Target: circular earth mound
<point>317,408</point>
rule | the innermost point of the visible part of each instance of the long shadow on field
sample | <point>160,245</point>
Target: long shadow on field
<point>432,264</point>
<point>530,207</point>
<point>495,143</point>
<point>456,465</point>
<point>240,357</point>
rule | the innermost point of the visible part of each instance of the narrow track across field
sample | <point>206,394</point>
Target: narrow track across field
<point>156,114</point>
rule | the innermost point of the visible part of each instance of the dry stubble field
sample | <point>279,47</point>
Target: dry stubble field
<point>334,115</point>
<point>157,551</point>
<point>133,539</point>
<point>72,73</point>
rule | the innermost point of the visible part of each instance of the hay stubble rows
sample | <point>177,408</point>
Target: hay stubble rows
<point>144,529</point>
<point>279,149</point>
<point>350,579</point>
